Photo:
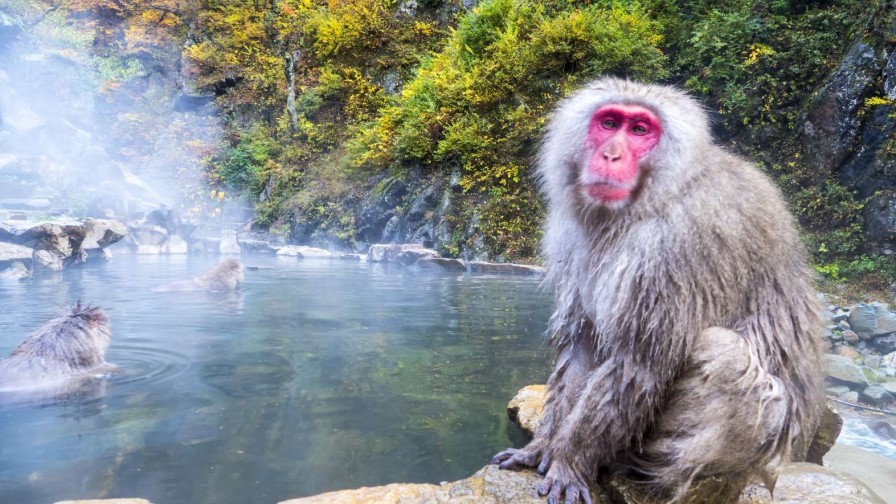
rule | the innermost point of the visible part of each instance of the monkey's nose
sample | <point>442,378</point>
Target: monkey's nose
<point>612,156</point>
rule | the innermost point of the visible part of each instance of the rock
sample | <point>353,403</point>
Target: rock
<point>850,337</point>
<point>803,483</point>
<point>884,344</point>
<point>837,390</point>
<point>884,430</point>
<point>486,267</point>
<point>147,234</point>
<point>105,501</point>
<point>842,369</point>
<point>289,250</point>
<point>303,251</point>
<point>254,246</point>
<point>388,252</point>
<point>850,397</point>
<point>876,395</point>
<point>832,125</point>
<point>442,263</point>
<point>314,253</point>
<point>10,252</point>
<point>489,485</point>
<point>413,255</point>
<point>872,320</point>
<point>15,272</point>
<point>829,426</point>
<point>526,407</point>
<point>100,233</point>
<point>880,216</point>
<point>148,249</point>
<point>888,360</point>
<point>702,491</point>
<point>229,243</point>
<point>46,260</point>
<point>175,245</point>
<point>872,361</point>
<point>840,316</point>
<point>848,352</point>
<point>889,387</point>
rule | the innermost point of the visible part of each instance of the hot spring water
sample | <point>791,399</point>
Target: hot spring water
<point>319,375</point>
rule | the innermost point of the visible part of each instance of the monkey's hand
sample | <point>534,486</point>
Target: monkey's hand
<point>513,458</point>
<point>562,482</point>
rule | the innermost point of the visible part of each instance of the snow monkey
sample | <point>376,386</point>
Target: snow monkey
<point>226,276</point>
<point>686,325</point>
<point>70,346</point>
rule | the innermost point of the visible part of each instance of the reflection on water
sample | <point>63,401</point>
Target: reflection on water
<point>318,376</point>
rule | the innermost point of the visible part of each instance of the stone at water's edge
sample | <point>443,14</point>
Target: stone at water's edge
<point>526,407</point>
<point>10,252</point>
<point>489,485</point>
<point>829,427</point>
<point>106,501</point>
<point>804,482</point>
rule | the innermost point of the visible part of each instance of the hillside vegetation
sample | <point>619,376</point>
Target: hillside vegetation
<point>354,122</point>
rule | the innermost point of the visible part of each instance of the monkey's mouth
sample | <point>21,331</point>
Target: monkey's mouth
<point>608,192</point>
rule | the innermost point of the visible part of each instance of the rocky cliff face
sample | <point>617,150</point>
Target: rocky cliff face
<point>848,132</point>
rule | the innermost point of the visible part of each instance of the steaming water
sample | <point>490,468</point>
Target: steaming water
<point>320,376</point>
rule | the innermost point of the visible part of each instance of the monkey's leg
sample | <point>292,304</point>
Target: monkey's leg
<point>612,406</point>
<point>725,415</point>
<point>563,386</point>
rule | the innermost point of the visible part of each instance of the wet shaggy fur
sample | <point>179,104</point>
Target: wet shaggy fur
<point>71,344</point>
<point>686,325</point>
<point>226,276</point>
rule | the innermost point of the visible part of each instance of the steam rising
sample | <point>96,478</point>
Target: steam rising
<point>100,137</point>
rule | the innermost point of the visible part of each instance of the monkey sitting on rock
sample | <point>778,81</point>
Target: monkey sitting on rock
<point>686,324</point>
<point>59,356</point>
<point>226,276</point>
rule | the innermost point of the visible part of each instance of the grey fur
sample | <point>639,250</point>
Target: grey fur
<point>686,324</point>
<point>71,344</point>
<point>226,276</point>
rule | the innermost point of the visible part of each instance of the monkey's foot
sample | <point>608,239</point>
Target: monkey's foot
<point>563,484</point>
<point>513,458</point>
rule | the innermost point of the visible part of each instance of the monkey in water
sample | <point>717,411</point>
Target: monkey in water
<point>68,349</point>
<point>686,325</point>
<point>226,276</point>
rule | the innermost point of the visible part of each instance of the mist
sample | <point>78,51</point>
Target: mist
<point>84,135</point>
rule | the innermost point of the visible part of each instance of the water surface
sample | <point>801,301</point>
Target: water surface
<point>319,376</point>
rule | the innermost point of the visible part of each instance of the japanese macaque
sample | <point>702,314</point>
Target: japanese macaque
<point>69,348</point>
<point>226,276</point>
<point>686,325</point>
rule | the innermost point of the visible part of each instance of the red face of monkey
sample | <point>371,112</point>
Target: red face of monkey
<point>618,137</point>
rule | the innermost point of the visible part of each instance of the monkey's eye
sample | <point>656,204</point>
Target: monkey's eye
<point>609,124</point>
<point>639,129</point>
